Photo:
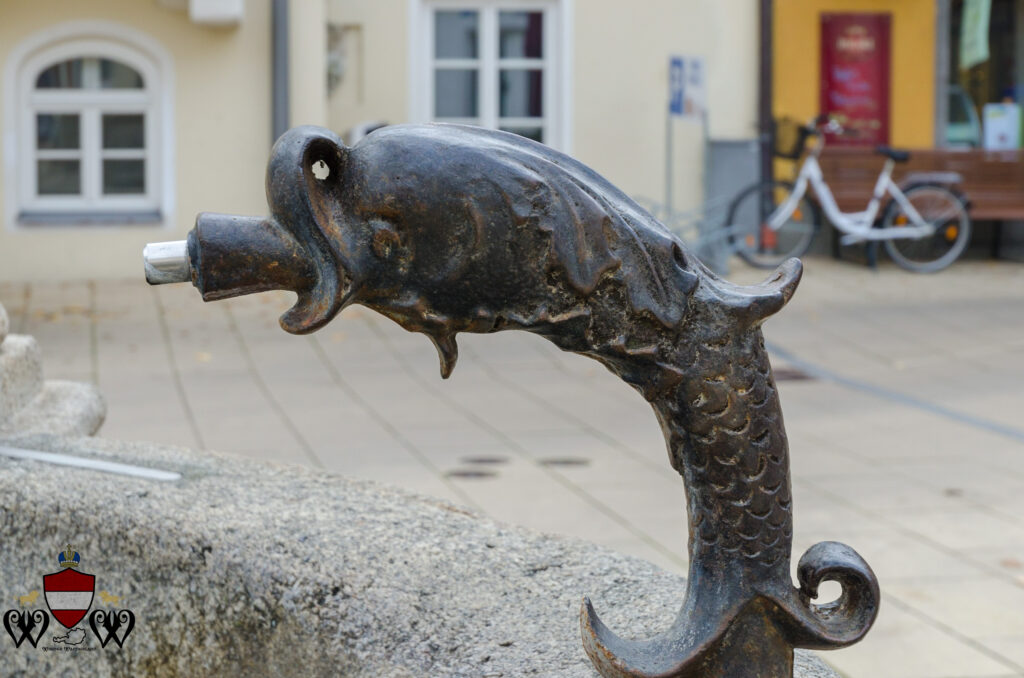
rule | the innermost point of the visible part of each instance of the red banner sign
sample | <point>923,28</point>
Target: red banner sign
<point>855,65</point>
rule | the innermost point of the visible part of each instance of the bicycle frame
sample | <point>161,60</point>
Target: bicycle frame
<point>857,226</point>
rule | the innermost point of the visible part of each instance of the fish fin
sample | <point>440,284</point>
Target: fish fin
<point>447,351</point>
<point>754,303</point>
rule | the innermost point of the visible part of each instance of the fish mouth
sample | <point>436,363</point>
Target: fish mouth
<point>318,306</point>
<point>230,256</point>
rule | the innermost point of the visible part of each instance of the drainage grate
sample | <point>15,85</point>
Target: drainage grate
<point>564,461</point>
<point>790,374</point>
<point>470,474</point>
<point>487,461</point>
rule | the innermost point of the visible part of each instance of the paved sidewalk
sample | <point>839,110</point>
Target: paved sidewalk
<point>907,439</point>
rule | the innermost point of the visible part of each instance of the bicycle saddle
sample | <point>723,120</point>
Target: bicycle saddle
<point>894,154</point>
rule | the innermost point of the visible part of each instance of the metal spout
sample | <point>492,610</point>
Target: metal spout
<point>166,262</point>
<point>227,256</point>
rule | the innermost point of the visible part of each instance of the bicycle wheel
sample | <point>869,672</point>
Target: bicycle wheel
<point>751,238</point>
<point>940,207</point>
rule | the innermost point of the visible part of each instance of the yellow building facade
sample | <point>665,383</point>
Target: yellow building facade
<point>796,72</point>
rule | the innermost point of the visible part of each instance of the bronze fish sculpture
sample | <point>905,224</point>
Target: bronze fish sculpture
<point>447,229</point>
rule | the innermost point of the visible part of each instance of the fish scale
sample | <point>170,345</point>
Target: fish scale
<point>742,500</point>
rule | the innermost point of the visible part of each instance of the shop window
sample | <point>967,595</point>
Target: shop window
<point>986,70</point>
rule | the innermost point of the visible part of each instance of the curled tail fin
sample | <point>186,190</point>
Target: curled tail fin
<point>843,621</point>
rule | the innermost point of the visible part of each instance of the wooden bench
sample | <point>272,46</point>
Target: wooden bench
<point>992,180</point>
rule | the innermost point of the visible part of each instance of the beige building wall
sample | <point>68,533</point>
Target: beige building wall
<point>619,54</point>
<point>307,67</point>
<point>221,122</point>
<point>375,56</point>
<point>620,93</point>
<point>734,59</point>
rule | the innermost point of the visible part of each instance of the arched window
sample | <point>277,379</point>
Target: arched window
<point>92,136</point>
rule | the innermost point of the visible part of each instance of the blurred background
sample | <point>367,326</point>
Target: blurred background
<point>122,119</point>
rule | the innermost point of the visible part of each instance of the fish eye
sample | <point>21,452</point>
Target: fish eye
<point>320,170</point>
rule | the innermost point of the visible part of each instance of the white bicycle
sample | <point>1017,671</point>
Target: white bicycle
<point>925,226</point>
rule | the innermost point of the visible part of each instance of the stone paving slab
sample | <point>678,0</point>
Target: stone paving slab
<point>908,442</point>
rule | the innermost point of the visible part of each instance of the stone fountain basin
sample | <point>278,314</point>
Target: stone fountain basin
<point>244,568</point>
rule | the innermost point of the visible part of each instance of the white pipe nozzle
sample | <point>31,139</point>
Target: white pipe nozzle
<point>167,262</point>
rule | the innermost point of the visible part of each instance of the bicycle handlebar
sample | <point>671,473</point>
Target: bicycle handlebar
<point>826,123</point>
<point>815,127</point>
<point>822,123</point>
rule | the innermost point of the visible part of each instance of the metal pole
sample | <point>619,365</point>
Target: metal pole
<point>943,12</point>
<point>279,69</point>
<point>764,114</point>
<point>764,107</point>
<point>706,141</point>
<point>668,164</point>
<point>715,251</point>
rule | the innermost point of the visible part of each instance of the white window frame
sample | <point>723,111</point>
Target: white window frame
<point>24,207</point>
<point>556,64</point>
